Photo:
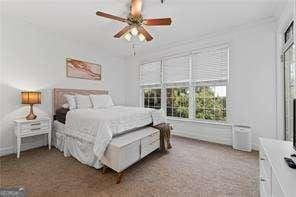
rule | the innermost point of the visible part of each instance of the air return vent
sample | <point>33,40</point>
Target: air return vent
<point>242,138</point>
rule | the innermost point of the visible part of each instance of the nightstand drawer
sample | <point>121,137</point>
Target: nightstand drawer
<point>33,131</point>
<point>32,126</point>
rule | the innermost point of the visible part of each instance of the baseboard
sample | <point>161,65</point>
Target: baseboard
<point>255,147</point>
<point>24,146</point>
<point>197,136</point>
<point>39,143</point>
<point>217,140</point>
<point>6,151</point>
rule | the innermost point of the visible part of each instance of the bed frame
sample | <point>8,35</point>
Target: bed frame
<point>59,99</point>
<point>124,150</point>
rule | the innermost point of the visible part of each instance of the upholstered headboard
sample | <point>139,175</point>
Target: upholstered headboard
<point>59,99</point>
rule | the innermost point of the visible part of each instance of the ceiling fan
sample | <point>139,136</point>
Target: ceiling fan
<point>135,22</point>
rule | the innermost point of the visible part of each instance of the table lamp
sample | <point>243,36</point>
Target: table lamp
<point>31,98</point>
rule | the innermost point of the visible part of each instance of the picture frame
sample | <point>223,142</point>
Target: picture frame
<point>83,70</point>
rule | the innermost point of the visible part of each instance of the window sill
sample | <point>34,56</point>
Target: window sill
<point>200,121</point>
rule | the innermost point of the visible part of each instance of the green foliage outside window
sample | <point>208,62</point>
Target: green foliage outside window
<point>177,102</point>
<point>210,102</point>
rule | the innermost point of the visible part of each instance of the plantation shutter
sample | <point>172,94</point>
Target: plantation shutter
<point>150,74</point>
<point>210,65</point>
<point>176,70</point>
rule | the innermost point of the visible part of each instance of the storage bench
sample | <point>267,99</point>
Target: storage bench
<point>127,149</point>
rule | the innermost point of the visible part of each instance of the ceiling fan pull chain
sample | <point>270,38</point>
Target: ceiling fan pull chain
<point>134,51</point>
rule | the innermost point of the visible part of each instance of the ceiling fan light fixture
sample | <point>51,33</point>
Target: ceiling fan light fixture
<point>141,37</point>
<point>136,23</point>
<point>128,36</point>
<point>134,31</point>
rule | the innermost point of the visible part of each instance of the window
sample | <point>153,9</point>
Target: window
<point>210,65</point>
<point>150,74</point>
<point>176,70</point>
<point>177,102</point>
<point>152,98</point>
<point>190,85</point>
<point>210,103</point>
<point>150,80</point>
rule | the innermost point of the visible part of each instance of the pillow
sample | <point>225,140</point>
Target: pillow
<point>158,116</point>
<point>66,106</point>
<point>83,101</point>
<point>71,101</point>
<point>101,101</point>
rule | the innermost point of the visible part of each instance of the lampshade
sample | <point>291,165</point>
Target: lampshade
<point>31,97</point>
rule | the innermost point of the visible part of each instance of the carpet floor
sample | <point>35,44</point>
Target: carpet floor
<point>192,168</point>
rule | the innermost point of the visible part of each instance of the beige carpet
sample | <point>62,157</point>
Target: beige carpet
<point>192,168</point>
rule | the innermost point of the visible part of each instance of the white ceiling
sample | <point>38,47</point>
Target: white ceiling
<point>191,18</point>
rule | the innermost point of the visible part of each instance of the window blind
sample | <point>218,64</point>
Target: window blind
<point>210,65</point>
<point>150,74</point>
<point>176,70</point>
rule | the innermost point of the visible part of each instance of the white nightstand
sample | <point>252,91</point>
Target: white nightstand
<point>27,128</point>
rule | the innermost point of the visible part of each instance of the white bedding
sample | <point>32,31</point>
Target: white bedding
<point>98,126</point>
<point>58,135</point>
<point>78,148</point>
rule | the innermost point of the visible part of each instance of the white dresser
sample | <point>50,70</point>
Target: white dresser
<point>276,178</point>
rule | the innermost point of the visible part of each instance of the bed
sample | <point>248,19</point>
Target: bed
<point>87,132</point>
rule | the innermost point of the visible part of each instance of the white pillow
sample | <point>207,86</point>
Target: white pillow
<point>101,101</point>
<point>71,101</point>
<point>83,101</point>
<point>66,105</point>
<point>158,117</point>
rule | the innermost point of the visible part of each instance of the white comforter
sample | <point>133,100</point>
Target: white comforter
<point>100,125</point>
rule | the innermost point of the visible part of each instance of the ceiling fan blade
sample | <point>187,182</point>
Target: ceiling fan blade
<point>157,21</point>
<point>136,7</point>
<point>145,33</point>
<point>122,32</point>
<point>99,13</point>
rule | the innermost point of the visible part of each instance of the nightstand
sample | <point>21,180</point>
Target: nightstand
<point>27,128</point>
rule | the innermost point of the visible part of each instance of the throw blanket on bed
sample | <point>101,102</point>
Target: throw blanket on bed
<point>98,126</point>
<point>165,135</point>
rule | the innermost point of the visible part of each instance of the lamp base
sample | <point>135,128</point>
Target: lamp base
<point>31,115</point>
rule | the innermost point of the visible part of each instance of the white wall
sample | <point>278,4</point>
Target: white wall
<point>34,59</point>
<point>252,93</point>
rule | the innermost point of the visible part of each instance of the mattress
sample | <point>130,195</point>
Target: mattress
<point>100,125</point>
<point>58,126</point>
<point>87,132</point>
